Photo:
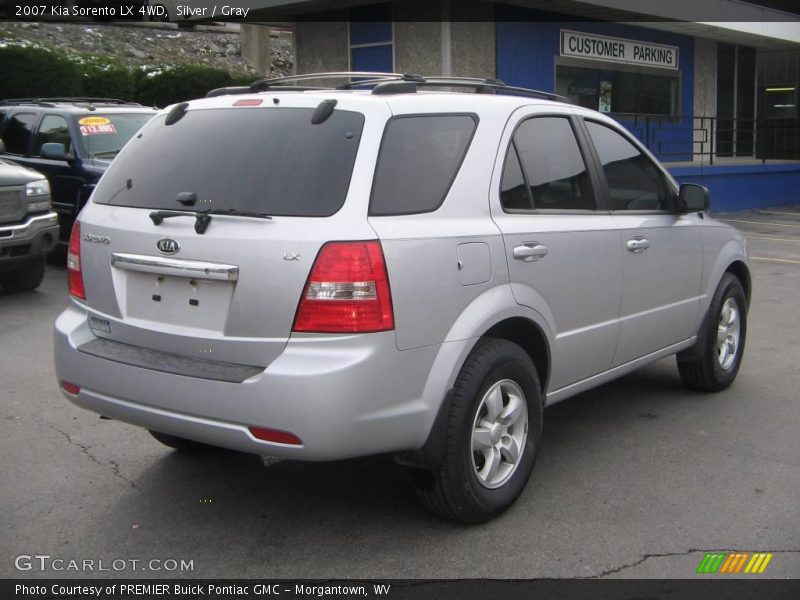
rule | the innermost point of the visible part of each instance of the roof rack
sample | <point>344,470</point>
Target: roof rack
<point>385,83</point>
<point>67,100</point>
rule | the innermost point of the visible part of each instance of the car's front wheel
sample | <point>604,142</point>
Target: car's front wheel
<point>491,438</point>
<point>713,364</point>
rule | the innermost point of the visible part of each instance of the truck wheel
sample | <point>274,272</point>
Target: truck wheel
<point>716,359</point>
<point>24,279</point>
<point>492,436</point>
<point>181,444</point>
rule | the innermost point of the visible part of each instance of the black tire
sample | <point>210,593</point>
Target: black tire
<point>181,444</point>
<point>700,368</point>
<point>24,279</point>
<point>453,489</point>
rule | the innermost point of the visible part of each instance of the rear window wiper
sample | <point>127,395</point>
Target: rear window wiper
<point>203,217</point>
<point>236,213</point>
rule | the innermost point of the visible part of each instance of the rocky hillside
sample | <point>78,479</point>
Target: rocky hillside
<point>149,44</point>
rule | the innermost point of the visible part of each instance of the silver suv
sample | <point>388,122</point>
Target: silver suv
<point>324,273</point>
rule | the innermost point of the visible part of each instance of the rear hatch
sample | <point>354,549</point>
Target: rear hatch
<point>229,293</point>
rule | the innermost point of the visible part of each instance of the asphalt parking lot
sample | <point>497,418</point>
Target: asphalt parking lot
<point>638,478</point>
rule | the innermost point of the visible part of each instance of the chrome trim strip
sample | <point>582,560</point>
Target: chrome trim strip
<point>51,216</point>
<point>196,269</point>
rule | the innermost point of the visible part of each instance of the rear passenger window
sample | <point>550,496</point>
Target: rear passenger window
<point>552,165</point>
<point>634,182</point>
<point>514,193</point>
<point>17,134</point>
<point>418,161</point>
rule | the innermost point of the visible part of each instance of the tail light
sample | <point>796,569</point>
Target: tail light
<point>347,291</point>
<point>74,274</point>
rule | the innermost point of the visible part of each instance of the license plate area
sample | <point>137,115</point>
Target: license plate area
<point>183,301</point>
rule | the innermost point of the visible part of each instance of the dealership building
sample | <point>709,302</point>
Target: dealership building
<point>715,100</point>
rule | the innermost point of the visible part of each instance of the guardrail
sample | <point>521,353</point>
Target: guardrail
<point>681,138</point>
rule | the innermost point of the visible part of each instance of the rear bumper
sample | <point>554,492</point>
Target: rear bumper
<point>29,240</point>
<point>343,396</point>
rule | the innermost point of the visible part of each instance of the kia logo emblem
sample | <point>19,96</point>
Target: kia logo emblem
<point>167,246</point>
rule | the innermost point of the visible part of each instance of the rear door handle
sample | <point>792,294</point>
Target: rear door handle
<point>638,245</point>
<point>530,252</point>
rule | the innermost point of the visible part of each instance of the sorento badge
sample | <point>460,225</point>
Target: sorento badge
<point>167,246</point>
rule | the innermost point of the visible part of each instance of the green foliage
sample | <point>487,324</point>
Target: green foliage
<point>104,78</point>
<point>244,79</point>
<point>164,86</point>
<point>29,71</point>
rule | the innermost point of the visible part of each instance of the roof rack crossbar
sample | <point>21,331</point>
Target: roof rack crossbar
<point>488,84</point>
<point>361,79</point>
<point>282,82</point>
<point>67,99</point>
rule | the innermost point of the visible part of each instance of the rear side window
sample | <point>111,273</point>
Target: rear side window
<point>514,192</point>
<point>17,134</point>
<point>271,160</point>
<point>552,165</point>
<point>418,161</point>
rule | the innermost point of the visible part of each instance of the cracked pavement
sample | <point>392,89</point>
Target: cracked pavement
<point>638,478</point>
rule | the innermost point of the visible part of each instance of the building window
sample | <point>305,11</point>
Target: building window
<point>736,80</point>
<point>780,102</point>
<point>612,90</point>
<point>372,38</point>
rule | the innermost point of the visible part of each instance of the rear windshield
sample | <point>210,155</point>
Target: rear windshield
<point>103,136</point>
<point>269,160</point>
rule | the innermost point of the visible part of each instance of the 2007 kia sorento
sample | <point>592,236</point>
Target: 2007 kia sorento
<point>317,274</point>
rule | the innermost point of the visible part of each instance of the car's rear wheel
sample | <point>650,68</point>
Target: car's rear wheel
<point>27,277</point>
<point>714,363</point>
<point>181,444</point>
<point>492,436</point>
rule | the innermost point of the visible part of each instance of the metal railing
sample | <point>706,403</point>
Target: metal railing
<point>681,138</point>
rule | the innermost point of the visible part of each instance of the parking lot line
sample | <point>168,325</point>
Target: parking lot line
<point>782,260</point>
<point>759,223</point>
<point>772,239</point>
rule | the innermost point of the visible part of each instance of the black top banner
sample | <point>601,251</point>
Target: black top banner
<point>402,10</point>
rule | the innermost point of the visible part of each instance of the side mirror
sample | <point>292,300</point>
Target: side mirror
<point>693,198</point>
<point>55,151</point>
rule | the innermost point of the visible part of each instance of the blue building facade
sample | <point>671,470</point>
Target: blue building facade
<point>694,102</point>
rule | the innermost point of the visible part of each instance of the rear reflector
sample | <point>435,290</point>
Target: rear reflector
<point>275,435</point>
<point>74,275</point>
<point>347,291</point>
<point>70,388</point>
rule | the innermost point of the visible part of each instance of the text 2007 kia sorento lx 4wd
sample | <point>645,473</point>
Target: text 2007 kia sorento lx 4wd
<point>325,274</point>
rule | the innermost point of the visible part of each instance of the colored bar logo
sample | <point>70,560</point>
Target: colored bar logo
<point>734,562</point>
